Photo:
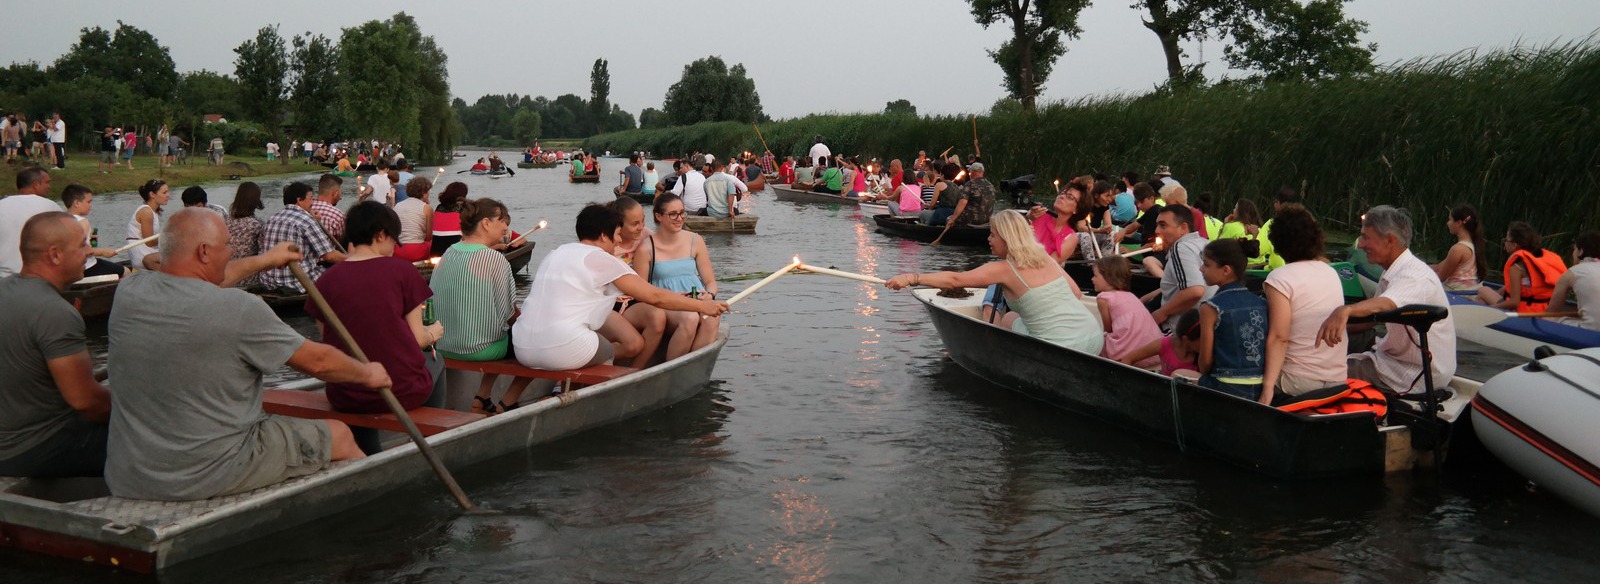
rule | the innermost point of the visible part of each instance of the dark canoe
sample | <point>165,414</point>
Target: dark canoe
<point>78,520</point>
<point>363,167</point>
<point>642,198</point>
<point>909,228</point>
<point>1200,421</point>
<point>1082,273</point>
<point>537,164</point>
<point>92,300</point>
<point>585,178</point>
<point>792,195</point>
<point>741,224</point>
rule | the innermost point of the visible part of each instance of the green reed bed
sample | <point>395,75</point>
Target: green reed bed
<point>1514,132</point>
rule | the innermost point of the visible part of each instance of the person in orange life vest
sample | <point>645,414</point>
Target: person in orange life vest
<point>1530,272</point>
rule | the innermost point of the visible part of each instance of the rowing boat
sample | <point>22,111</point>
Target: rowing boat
<point>911,228</point>
<point>92,297</point>
<point>1200,421</point>
<point>537,164</point>
<point>78,520</point>
<point>642,198</point>
<point>1520,336</point>
<point>703,224</point>
<point>496,172</point>
<point>870,210</point>
<point>792,195</point>
<point>584,178</point>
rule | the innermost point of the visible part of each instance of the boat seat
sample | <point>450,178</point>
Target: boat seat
<point>313,405</point>
<point>578,377</point>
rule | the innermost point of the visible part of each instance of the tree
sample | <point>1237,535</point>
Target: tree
<point>395,87</point>
<point>600,95</point>
<point>525,125</point>
<point>204,92</point>
<point>619,119</point>
<point>710,91</point>
<point>314,71</point>
<point>262,67</point>
<point>653,118</point>
<point>900,106</point>
<point>1266,36</point>
<point>130,55</point>
<point>1037,28</point>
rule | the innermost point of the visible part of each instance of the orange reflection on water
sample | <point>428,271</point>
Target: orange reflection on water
<point>866,263</point>
<point>805,536</point>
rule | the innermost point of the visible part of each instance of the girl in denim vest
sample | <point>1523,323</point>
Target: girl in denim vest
<point>1233,325</point>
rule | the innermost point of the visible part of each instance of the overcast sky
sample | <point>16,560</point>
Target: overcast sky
<point>836,55</point>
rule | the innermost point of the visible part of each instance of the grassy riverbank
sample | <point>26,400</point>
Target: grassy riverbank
<point>82,168</point>
<point>1511,132</point>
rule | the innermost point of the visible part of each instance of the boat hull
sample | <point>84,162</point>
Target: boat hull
<point>909,228</point>
<point>586,178</point>
<point>1544,428</point>
<point>92,301</point>
<point>792,195</point>
<point>742,224</point>
<point>1200,421</point>
<point>149,536</point>
<point>1520,336</point>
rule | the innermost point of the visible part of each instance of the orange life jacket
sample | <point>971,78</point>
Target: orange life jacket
<point>1540,281</point>
<point>1358,396</point>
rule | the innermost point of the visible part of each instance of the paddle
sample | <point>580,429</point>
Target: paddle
<point>948,223</point>
<point>1478,315</point>
<point>975,150</point>
<point>138,243</point>
<point>388,395</point>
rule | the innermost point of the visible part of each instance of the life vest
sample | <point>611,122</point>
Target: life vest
<point>1358,396</point>
<point>1540,282</point>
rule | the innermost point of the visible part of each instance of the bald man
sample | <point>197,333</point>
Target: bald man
<point>52,410</point>
<point>188,355</point>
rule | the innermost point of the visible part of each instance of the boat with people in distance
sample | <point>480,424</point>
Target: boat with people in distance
<point>790,194</point>
<point>911,228</point>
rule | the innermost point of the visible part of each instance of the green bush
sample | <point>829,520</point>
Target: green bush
<point>237,137</point>
<point>1513,132</point>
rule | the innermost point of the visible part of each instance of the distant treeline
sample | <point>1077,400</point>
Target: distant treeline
<point>1513,132</point>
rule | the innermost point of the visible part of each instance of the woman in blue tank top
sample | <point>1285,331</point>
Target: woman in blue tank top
<point>677,260</point>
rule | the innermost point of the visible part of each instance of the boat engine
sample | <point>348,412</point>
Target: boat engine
<point>1020,189</point>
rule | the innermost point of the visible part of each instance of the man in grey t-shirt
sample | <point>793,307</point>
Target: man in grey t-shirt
<point>52,410</point>
<point>1182,284</point>
<point>188,354</point>
<point>633,176</point>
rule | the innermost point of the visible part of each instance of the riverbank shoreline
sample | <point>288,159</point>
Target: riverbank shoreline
<point>83,168</point>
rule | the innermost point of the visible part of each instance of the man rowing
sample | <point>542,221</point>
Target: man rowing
<point>188,353</point>
<point>52,410</point>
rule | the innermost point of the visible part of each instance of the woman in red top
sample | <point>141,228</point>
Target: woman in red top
<point>380,300</point>
<point>447,218</point>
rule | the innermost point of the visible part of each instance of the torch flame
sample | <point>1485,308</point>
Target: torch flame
<point>797,260</point>
<point>543,223</point>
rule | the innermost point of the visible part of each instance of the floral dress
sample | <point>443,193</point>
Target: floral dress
<point>244,238</point>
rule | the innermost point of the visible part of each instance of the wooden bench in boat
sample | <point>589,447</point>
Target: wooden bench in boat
<point>313,405</point>
<point>578,377</point>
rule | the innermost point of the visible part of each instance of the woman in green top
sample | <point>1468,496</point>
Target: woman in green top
<point>1245,223</point>
<point>475,296</point>
<point>1046,304</point>
<point>831,181</point>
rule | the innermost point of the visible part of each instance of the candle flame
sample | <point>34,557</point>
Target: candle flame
<point>797,260</point>
<point>543,223</point>
<point>961,175</point>
<point>434,261</point>
<point>1158,241</point>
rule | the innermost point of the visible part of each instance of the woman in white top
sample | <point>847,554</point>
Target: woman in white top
<point>416,221</point>
<point>650,321</point>
<point>1581,280</point>
<point>1463,267</point>
<point>1299,296</point>
<point>567,321</point>
<point>145,222</point>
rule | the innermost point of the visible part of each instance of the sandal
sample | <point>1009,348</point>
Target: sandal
<point>482,405</point>
<point>505,408</point>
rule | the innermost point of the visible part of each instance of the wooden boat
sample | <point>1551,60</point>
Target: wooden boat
<point>1540,422</point>
<point>537,164</point>
<point>584,178</point>
<point>702,224</point>
<point>1520,336</point>
<point>363,167</point>
<point>642,198</point>
<point>1200,421</point>
<point>870,210</point>
<point>910,228</point>
<point>92,297</point>
<point>793,195</point>
<point>488,172</point>
<point>78,520</point>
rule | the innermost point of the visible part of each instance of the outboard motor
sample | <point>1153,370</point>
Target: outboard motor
<point>1020,189</point>
<point>1427,430</point>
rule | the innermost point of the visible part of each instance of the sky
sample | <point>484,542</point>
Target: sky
<point>832,56</point>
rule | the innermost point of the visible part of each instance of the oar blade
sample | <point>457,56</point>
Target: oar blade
<point>1476,315</point>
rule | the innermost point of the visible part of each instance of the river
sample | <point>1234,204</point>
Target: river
<point>837,443</point>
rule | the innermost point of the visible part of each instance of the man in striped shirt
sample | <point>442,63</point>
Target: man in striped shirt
<point>1182,284</point>
<point>325,206</point>
<point>294,224</point>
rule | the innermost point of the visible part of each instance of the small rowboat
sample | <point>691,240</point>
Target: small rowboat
<point>1520,336</point>
<point>642,198</point>
<point>363,167</point>
<point>1200,421</point>
<point>92,297</point>
<point>537,164</point>
<point>77,519</point>
<point>870,210</point>
<point>1540,422</point>
<point>739,224</point>
<point>910,228</point>
<point>792,195</point>
<point>584,178</point>
<point>488,172</point>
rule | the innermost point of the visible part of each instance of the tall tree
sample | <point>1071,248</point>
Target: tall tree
<point>653,118</point>
<point>1279,38</point>
<point>525,126</point>
<point>619,119</point>
<point>395,87</point>
<point>204,92</point>
<point>1037,30</point>
<point>128,55</point>
<point>900,106</point>
<point>600,94</point>
<point>262,68</point>
<point>711,91</point>
<point>314,86</point>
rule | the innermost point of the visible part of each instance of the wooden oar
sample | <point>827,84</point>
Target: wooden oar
<point>948,223</point>
<point>138,243</point>
<point>763,139</point>
<point>975,150</point>
<point>764,281</point>
<point>1478,315</point>
<point>388,394</point>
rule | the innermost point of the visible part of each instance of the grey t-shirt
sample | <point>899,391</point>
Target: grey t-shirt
<point>38,326</point>
<point>1183,267</point>
<point>186,362</point>
<point>635,176</point>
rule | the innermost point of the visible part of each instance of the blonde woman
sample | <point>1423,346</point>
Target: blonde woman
<point>1044,301</point>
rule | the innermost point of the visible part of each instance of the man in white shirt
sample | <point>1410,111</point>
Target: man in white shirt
<point>57,135</point>
<point>820,152</point>
<point>379,188</point>
<point>1395,361</point>
<point>32,184</point>
<point>691,187</point>
<point>272,151</point>
<point>309,148</point>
